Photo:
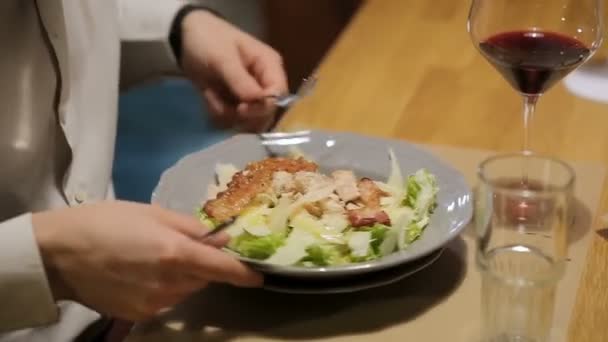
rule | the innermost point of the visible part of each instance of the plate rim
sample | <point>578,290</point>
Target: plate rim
<point>365,286</point>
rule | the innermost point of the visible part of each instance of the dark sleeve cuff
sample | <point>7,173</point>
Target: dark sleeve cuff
<point>175,34</point>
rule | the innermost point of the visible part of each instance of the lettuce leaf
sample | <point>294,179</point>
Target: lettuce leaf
<point>414,230</point>
<point>412,233</point>
<point>378,234</point>
<point>207,221</point>
<point>395,179</point>
<point>277,220</point>
<point>326,254</point>
<point>421,192</point>
<point>359,243</point>
<point>389,243</point>
<point>413,189</point>
<point>294,249</point>
<point>377,247</point>
<point>256,247</point>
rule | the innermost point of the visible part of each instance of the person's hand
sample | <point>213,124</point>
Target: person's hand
<point>131,260</point>
<point>234,70</point>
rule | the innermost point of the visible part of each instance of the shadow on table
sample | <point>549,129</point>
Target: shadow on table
<point>222,313</point>
<point>582,222</point>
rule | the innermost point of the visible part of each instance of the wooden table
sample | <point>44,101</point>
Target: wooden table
<point>407,69</point>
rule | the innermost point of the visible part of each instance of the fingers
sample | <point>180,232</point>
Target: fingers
<point>222,113</point>
<point>266,65</point>
<point>255,116</point>
<point>244,79</point>
<point>235,75</point>
<point>215,265</point>
<point>268,69</point>
<point>202,260</point>
<point>191,227</point>
<point>217,240</point>
<point>184,224</point>
<point>255,109</point>
<point>214,101</point>
<point>246,116</point>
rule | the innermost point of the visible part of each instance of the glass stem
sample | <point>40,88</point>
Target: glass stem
<point>529,108</point>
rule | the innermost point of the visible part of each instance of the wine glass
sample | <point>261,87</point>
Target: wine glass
<point>535,43</point>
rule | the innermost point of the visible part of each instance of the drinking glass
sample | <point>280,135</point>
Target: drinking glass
<point>522,213</point>
<point>535,43</point>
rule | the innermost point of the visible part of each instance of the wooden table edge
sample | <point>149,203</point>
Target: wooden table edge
<point>588,301</point>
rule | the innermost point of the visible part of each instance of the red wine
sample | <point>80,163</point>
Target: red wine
<point>532,61</point>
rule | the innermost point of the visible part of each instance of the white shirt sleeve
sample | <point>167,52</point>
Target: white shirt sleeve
<point>144,32</point>
<point>25,295</point>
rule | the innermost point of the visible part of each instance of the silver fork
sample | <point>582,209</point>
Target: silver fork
<point>270,139</point>
<point>284,102</point>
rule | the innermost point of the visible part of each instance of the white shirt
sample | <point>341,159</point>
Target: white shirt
<point>85,46</point>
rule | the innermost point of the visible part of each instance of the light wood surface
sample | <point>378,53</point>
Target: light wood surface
<point>407,69</point>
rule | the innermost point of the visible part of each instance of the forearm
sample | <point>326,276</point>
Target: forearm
<point>144,31</point>
<point>25,293</point>
<point>151,37</point>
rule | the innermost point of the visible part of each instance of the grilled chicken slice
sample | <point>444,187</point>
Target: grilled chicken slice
<point>366,217</point>
<point>307,181</point>
<point>283,182</point>
<point>371,211</point>
<point>256,178</point>
<point>346,185</point>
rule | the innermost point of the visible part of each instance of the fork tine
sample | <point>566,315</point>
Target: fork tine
<point>283,135</point>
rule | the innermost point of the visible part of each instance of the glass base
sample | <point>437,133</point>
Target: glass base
<point>518,293</point>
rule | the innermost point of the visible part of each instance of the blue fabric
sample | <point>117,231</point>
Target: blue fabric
<point>158,124</point>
